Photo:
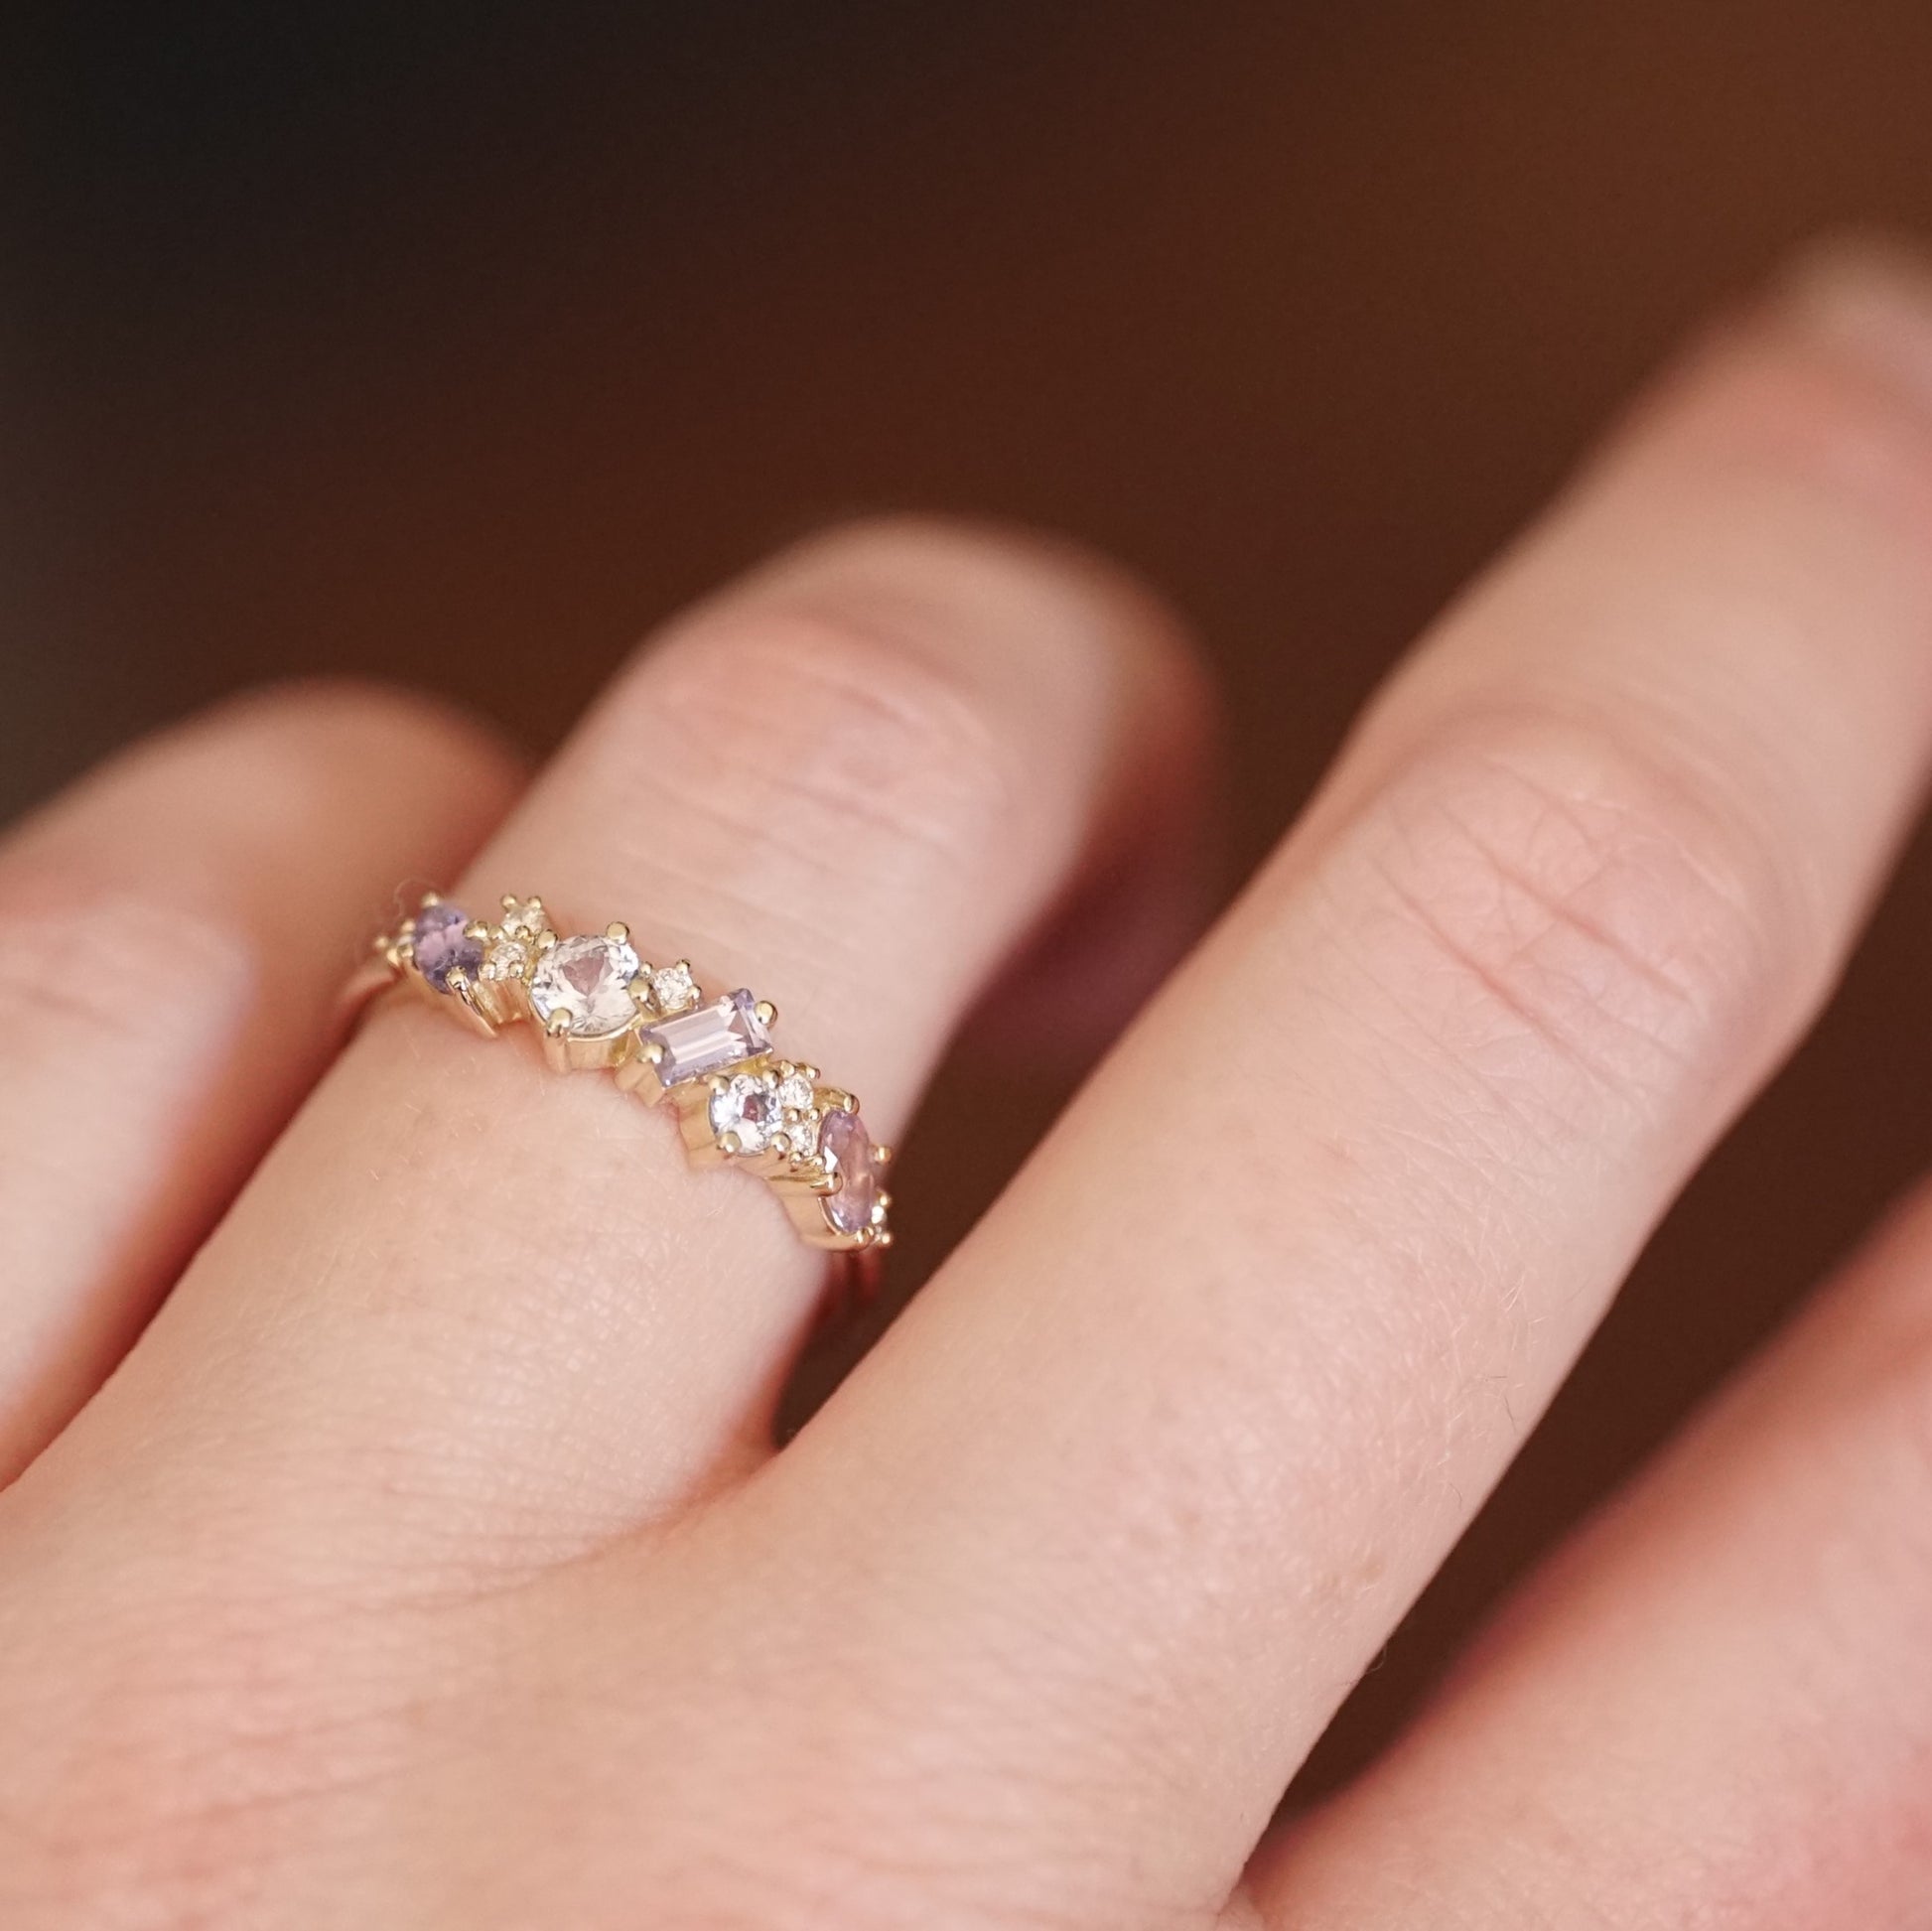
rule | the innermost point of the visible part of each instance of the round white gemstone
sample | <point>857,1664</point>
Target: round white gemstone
<point>672,989</point>
<point>747,1105</point>
<point>587,981</point>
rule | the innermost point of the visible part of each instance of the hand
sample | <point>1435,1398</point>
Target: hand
<point>425,1560</point>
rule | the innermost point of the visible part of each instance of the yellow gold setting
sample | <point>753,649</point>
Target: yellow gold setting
<point>597,1005</point>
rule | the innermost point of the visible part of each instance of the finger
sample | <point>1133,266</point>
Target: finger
<point>1144,895</point>
<point>175,932</point>
<point>501,1299</point>
<point>1159,1458</point>
<point>1712,1709</point>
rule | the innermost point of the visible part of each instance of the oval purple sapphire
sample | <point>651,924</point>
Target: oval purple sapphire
<point>843,1140</point>
<point>441,947</point>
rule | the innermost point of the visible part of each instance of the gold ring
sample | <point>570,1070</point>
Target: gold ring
<point>600,1006</point>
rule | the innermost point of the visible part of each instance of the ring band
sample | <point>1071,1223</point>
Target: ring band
<point>601,1008</point>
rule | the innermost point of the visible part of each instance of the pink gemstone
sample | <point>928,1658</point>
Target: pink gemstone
<point>441,947</point>
<point>848,1152</point>
<point>714,1035</point>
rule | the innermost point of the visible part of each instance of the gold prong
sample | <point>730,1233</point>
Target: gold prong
<point>618,933</point>
<point>781,1143</point>
<point>882,1155</point>
<point>809,1073</point>
<point>768,1014</point>
<point>717,1083</point>
<point>730,1143</point>
<point>557,1026</point>
<point>636,1076</point>
<point>510,901</point>
<point>884,1201</point>
<point>650,1053</point>
<point>547,940</point>
<point>475,929</point>
<point>431,898</point>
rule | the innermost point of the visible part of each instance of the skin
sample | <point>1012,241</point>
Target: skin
<point>395,1536</point>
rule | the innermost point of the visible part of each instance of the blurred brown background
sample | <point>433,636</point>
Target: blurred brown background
<point>459,345</point>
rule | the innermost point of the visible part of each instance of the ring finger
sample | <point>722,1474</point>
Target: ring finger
<point>498,1301</point>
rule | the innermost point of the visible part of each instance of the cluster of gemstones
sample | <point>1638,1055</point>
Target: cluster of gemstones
<point>601,1006</point>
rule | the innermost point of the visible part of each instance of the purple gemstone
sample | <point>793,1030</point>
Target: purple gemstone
<point>441,947</point>
<point>848,1152</point>
<point>714,1035</point>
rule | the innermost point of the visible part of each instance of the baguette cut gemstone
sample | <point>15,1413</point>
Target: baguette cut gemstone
<point>441,947</point>
<point>846,1147</point>
<point>715,1035</point>
<point>587,981</point>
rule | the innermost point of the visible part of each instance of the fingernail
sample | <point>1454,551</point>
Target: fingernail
<point>1872,299</point>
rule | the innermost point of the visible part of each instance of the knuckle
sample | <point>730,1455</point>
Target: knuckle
<point>1583,886</point>
<point>297,748</point>
<point>61,926</point>
<point>1813,413</point>
<point>831,727</point>
<point>313,716</point>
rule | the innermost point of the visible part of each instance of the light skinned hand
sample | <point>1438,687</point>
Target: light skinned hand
<point>395,1535</point>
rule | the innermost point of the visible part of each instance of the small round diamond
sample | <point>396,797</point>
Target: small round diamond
<point>672,989</point>
<point>441,947</point>
<point>794,1096</point>
<point>846,1148</point>
<point>523,917</point>
<point>747,1105</point>
<point>586,980</point>
<point>508,958</point>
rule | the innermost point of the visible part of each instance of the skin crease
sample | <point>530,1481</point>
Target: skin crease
<point>424,1562</point>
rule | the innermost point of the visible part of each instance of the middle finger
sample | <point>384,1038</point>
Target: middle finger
<point>1159,1459</point>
